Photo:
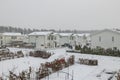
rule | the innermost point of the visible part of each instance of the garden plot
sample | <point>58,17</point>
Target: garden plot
<point>105,69</point>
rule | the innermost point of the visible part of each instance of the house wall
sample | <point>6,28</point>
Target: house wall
<point>38,41</point>
<point>53,41</point>
<point>31,39</point>
<point>42,41</point>
<point>82,40</point>
<point>7,39</point>
<point>25,39</point>
<point>57,40</point>
<point>106,40</point>
<point>48,43</point>
<point>79,40</point>
<point>72,40</point>
<point>64,39</point>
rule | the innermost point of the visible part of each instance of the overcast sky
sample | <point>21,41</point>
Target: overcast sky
<point>60,14</point>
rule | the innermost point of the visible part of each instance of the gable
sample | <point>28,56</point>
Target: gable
<point>103,31</point>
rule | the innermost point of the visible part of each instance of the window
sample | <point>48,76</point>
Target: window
<point>14,37</point>
<point>36,36</point>
<point>42,44</point>
<point>51,37</point>
<point>48,44</point>
<point>1,42</point>
<point>84,37</point>
<point>54,38</point>
<point>112,38</point>
<point>71,37</point>
<point>48,37</point>
<point>114,48</point>
<point>60,36</point>
<point>98,47</point>
<point>99,38</point>
<point>1,37</point>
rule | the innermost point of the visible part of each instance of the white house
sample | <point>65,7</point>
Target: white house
<point>52,40</point>
<point>8,37</point>
<point>73,39</point>
<point>82,39</point>
<point>25,38</point>
<point>65,38</point>
<point>43,39</point>
<point>106,39</point>
<point>56,40</point>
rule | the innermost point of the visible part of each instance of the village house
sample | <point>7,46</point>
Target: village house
<point>83,39</point>
<point>65,38</point>
<point>56,39</point>
<point>72,40</point>
<point>43,40</point>
<point>106,39</point>
<point>9,37</point>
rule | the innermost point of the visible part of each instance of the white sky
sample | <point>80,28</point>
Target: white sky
<point>60,14</point>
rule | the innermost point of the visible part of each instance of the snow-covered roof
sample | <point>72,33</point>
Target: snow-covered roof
<point>39,33</point>
<point>82,34</point>
<point>11,34</point>
<point>118,31</point>
<point>65,34</point>
<point>110,30</point>
<point>55,33</point>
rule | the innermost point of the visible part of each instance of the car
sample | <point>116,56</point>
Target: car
<point>67,45</point>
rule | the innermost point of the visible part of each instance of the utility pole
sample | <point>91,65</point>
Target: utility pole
<point>72,74</point>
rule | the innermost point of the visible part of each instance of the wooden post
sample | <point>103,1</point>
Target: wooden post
<point>72,74</point>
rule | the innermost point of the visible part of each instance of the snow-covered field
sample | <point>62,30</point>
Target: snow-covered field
<point>77,71</point>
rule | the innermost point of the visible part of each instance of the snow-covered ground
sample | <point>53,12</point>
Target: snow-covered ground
<point>77,71</point>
